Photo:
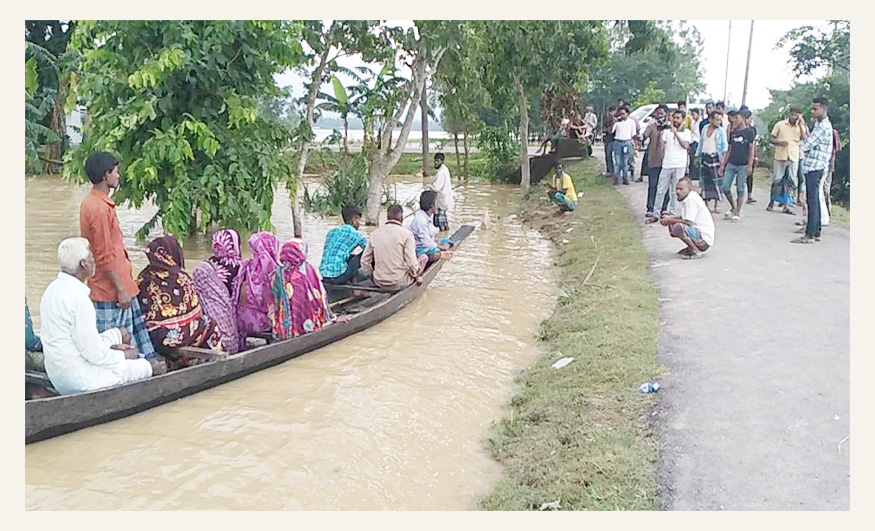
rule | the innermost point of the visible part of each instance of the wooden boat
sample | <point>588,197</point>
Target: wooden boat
<point>56,415</point>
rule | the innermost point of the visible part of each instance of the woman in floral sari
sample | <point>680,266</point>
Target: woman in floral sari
<point>299,304</point>
<point>252,292</point>
<point>171,306</point>
<point>214,280</point>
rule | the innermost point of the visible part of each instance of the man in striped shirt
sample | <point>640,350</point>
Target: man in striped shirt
<point>817,147</point>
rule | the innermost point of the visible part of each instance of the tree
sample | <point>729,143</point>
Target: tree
<point>327,44</point>
<point>180,103</point>
<point>38,103</point>
<point>420,48</point>
<point>519,59</point>
<point>661,57</point>
<point>48,41</point>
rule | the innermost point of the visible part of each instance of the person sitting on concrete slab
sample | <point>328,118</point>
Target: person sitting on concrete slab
<point>693,223</point>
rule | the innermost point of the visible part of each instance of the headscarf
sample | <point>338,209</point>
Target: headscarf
<point>254,277</point>
<point>226,256</point>
<point>300,303</point>
<point>167,293</point>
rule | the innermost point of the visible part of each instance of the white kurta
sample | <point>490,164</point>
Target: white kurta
<point>443,185</point>
<point>77,357</point>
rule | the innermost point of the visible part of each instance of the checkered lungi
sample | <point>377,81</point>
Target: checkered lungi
<point>109,315</point>
<point>440,220</point>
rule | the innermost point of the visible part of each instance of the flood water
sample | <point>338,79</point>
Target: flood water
<point>395,417</point>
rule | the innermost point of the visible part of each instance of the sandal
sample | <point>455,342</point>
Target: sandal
<point>804,239</point>
<point>788,211</point>
<point>736,219</point>
<point>770,208</point>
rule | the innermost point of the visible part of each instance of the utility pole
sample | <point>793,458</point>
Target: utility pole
<point>726,75</point>
<point>747,66</point>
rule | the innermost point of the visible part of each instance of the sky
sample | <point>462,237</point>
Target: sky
<point>769,67</point>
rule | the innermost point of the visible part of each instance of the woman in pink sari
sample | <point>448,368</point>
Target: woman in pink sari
<point>252,294</point>
<point>299,304</point>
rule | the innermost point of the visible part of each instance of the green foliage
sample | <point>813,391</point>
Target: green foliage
<point>39,100</point>
<point>500,152</point>
<point>344,182</point>
<point>651,59</point>
<point>181,104</point>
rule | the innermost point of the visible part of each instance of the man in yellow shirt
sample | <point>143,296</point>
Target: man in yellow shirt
<point>786,136</point>
<point>562,191</point>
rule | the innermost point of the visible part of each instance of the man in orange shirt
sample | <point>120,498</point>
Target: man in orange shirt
<point>113,289</point>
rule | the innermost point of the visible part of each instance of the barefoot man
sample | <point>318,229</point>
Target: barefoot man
<point>693,224</point>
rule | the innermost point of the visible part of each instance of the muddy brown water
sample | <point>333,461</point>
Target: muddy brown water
<point>395,417</point>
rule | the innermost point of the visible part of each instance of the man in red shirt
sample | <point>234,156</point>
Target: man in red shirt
<point>113,289</point>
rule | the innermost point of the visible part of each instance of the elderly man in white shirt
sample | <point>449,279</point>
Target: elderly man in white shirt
<point>443,185</point>
<point>77,357</point>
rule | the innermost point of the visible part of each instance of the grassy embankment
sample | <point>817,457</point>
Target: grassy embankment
<point>579,434</point>
<point>762,178</point>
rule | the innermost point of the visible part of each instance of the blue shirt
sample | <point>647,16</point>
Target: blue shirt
<point>817,147</point>
<point>339,245</point>
<point>423,230</point>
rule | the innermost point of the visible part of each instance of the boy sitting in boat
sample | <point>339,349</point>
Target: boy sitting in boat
<point>424,230</point>
<point>77,357</point>
<point>390,256</point>
<point>340,262</point>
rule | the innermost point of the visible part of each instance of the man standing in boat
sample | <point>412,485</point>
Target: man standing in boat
<point>443,186</point>
<point>113,289</point>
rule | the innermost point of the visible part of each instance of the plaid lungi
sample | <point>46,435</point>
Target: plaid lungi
<point>109,315</point>
<point>440,220</point>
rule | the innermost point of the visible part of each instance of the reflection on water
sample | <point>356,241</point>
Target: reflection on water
<point>392,418</point>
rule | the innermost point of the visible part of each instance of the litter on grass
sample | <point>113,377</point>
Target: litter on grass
<point>562,363</point>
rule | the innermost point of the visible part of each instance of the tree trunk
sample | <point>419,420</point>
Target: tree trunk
<point>465,141</point>
<point>346,135</point>
<point>423,105</point>
<point>385,158</point>
<point>304,149</point>
<point>456,143</point>
<point>525,179</point>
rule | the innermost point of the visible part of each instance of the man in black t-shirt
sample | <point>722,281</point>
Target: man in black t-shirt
<point>737,163</point>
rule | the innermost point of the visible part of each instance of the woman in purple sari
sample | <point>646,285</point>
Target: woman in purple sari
<point>299,303</point>
<point>252,293</point>
<point>214,280</point>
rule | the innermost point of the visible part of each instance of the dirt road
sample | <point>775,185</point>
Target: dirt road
<point>756,338</point>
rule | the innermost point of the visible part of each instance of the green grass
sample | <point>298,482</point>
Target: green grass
<point>579,434</point>
<point>762,177</point>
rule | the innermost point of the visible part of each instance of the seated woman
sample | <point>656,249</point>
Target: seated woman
<point>299,304</point>
<point>171,305</point>
<point>252,293</point>
<point>214,282</point>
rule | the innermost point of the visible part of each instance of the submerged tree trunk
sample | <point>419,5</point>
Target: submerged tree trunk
<point>525,179</point>
<point>423,105</point>
<point>456,143</point>
<point>387,155</point>
<point>465,141</point>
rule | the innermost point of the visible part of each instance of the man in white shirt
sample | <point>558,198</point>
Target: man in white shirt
<point>674,143</point>
<point>590,121</point>
<point>625,130</point>
<point>77,357</point>
<point>443,185</point>
<point>693,225</point>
